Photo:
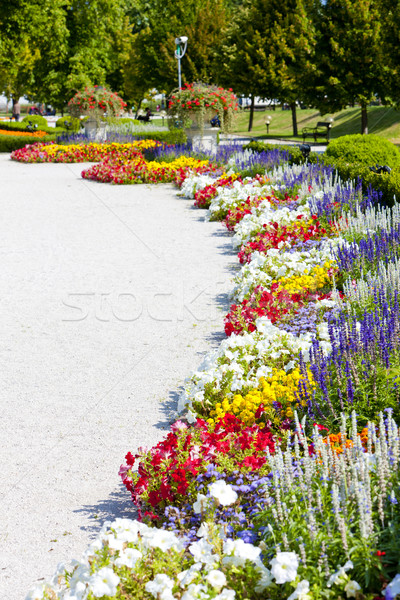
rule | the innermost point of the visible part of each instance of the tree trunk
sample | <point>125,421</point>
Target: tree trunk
<point>251,113</point>
<point>364,119</point>
<point>294,118</point>
<point>138,108</point>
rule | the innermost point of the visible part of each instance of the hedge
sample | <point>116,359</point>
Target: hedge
<point>8,143</point>
<point>35,120</point>
<point>173,136</point>
<point>368,150</point>
<point>73,123</point>
<point>22,126</point>
<point>353,155</point>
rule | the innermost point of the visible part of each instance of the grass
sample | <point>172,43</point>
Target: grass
<point>382,120</point>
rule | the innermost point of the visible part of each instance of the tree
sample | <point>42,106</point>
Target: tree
<point>154,45</point>
<point>268,51</point>
<point>98,44</point>
<point>244,54</point>
<point>350,50</point>
<point>27,51</point>
<point>390,63</point>
<point>291,52</point>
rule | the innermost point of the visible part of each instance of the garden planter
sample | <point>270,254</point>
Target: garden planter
<point>91,129</point>
<point>206,138</point>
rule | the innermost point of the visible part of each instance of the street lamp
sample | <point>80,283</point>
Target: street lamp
<point>268,122</point>
<point>181,45</point>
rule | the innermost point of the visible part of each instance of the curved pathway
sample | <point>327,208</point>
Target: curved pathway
<point>108,296</point>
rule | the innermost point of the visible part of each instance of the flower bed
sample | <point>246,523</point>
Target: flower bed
<point>74,153</point>
<point>32,134</point>
<point>283,479</point>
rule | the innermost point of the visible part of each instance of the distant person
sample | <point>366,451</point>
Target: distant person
<point>16,111</point>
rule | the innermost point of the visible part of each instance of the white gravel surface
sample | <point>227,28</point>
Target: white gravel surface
<point>109,295</point>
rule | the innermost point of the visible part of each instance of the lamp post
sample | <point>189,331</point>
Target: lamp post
<point>268,122</point>
<point>181,45</point>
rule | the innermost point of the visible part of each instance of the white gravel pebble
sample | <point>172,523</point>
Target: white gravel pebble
<point>109,295</point>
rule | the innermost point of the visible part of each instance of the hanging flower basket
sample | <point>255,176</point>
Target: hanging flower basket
<point>96,103</point>
<point>196,104</point>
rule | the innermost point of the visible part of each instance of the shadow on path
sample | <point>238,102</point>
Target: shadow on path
<point>117,505</point>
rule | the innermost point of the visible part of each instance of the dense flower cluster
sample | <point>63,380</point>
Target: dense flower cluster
<point>74,153</point>
<point>139,170</point>
<point>198,102</point>
<point>204,196</point>
<point>96,101</point>
<point>31,134</point>
<point>272,404</point>
<point>167,473</point>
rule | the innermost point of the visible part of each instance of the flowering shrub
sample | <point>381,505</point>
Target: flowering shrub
<point>200,102</point>
<point>95,102</point>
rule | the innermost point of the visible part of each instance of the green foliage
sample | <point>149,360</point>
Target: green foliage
<point>173,136</point>
<point>69,123</point>
<point>8,143</point>
<point>295,156</point>
<point>387,183</point>
<point>352,155</point>
<point>278,69</point>
<point>368,150</point>
<point>352,65</point>
<point>33,38</point>
<point>22,125</point>
<point>35,120</point>
<point>152,61</point>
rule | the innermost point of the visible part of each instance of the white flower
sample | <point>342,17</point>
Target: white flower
<point>336,577</point>
<point>202,552</point>
<point>301,592</point>
<point>265,579</point>
<point>195,591</point>
<point>104,583</point>
<point>226,595</point>
<point>128,558</point>
<point>160,587</point>
<point>351,588</point>
<point>284,567</point>
<point>160,538</point>
<point>216,578</point>
<point>113,542</point>
<point>393,589</point>
<point>186,577</point>
<point>203,530</point>
<point>223,492</point>
<point>201,504</point>
<point>241,550</point>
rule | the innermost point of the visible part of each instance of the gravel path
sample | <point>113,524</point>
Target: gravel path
<point>109,296</point>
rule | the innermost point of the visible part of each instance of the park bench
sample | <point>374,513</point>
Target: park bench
<point>322,130</point>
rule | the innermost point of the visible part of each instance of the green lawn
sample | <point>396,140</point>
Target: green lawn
<point>382,120</point>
